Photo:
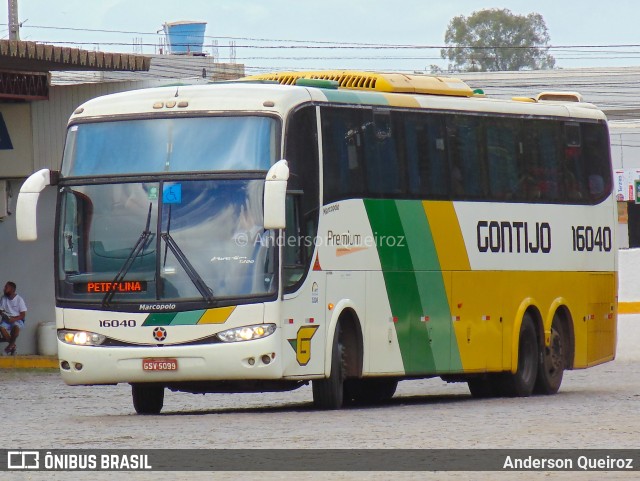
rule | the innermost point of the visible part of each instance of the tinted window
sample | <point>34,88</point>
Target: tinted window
<point>426,156</point>
<point>503,148</point>
<point>343,134</point>
<point>408,154</point>
<point>382,165</point>
<point>466,151</point>
<point>303,202</point>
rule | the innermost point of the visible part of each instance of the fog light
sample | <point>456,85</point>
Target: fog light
<point>78,366</point>
<point>251,361</point>
<point>65,365</point>
<point>266,359</point>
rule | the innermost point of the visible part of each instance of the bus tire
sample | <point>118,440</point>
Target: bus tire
<point>552,360</point>
<point>521,383</point>
<point>328,393</point>
<point>484,387</point>
<point>147,398</point>
<point>370,391</point>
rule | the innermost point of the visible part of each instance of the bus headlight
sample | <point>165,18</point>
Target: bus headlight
<point>81,338</point>
<point>247,333</point>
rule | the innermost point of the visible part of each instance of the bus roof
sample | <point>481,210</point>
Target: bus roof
<point>253,95</point>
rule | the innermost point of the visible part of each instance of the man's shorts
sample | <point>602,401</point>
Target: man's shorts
<point>8,325</point>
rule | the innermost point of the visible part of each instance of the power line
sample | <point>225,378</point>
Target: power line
<point>329,44</point>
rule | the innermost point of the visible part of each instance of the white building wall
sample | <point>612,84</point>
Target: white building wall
<point>30,265</point>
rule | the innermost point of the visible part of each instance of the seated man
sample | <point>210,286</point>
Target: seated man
<point>13,313</point>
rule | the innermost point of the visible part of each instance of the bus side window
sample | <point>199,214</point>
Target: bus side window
<point>542,164</point>
<point>468,171</point>
<point>342,140</point>
<point>426,156</point>
<point>596,161</point>
<point>383,167</point>
<point>572,167</point>
<point>303,197</point>
<point>293,254</point>
<point>503,151</point>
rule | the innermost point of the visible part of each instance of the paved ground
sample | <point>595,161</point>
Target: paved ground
<point>596,408</point>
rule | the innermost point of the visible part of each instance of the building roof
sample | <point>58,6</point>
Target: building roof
<point>39,57</point>
<point>615,90</point>
<point>162,67</point>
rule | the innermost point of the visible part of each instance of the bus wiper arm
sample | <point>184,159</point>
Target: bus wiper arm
<point>202,286</point>
<point>137,248</point>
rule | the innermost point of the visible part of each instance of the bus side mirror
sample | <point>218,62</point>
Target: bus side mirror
<point>27,206</point>
<point>275,194</point>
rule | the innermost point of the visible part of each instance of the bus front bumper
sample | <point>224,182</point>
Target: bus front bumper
<point>249,360</point>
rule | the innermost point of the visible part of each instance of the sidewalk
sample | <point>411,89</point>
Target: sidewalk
<point>28,362</point>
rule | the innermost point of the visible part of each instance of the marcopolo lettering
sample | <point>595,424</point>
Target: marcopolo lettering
<point>157,307</point>
<point>519,237</point>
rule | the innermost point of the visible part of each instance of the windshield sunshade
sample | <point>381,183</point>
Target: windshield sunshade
<point>170,145</point>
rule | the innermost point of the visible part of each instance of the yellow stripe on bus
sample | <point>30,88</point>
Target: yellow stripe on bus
<point>447,235</point>
<point>218,315</point>
<point>402,100</point>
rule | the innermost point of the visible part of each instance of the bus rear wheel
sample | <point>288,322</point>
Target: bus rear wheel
<point>328,393</point>
<point>552,360</point>
<point>522,382</point>
<point>147,398</point>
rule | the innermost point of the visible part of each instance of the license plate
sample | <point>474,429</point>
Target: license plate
<point>160,364</point>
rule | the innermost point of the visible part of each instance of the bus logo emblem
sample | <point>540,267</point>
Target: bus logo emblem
<point>159,333</point>
<point>302,344</point>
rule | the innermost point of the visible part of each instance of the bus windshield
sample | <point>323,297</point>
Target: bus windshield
<point>160,145</point>
<point>196,240</point>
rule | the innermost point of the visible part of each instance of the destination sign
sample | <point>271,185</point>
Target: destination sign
<point>104,287</point>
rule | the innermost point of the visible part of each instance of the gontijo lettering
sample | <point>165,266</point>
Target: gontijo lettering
<point>504,236</point>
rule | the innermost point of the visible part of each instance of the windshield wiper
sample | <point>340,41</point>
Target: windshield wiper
<point>137,248</point>
<point>201,285</point>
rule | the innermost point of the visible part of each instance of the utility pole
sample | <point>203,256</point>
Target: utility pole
<point>14,23</point>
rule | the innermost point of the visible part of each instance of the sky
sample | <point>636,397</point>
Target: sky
<point>262,23</point>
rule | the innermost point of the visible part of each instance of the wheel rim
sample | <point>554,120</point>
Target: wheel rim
<point>555,353</point>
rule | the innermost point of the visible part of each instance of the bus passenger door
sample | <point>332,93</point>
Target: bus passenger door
<point>304,328</point>
<point>304,323</point>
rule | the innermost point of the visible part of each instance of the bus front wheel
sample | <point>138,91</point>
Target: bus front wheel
<point>147,398</point>
<point>552,360</point>
<point>521,383</point>
<point>328,393</point>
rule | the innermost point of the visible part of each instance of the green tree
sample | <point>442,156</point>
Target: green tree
<point>496,39</point>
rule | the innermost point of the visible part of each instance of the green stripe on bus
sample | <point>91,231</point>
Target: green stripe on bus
<point>401,285</point>
<point>187,318</point>
<point>160,319</point>
<point>436,329</point>
<point>415,286</point>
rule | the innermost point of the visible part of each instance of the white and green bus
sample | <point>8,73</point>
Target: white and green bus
<point>350,229</point>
